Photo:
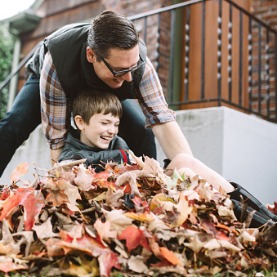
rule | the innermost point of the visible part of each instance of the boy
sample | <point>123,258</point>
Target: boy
<point>96,115</point>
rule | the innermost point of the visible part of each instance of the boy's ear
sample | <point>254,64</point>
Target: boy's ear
<point>79,122</point>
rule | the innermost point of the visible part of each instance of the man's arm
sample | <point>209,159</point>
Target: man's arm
<point>159,116</point>
<point>171,139</point>
<point>54,114</point>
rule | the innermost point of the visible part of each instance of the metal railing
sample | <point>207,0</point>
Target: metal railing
<point>211,53</point>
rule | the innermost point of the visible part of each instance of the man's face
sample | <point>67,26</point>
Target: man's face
<point>117,60</point>
<point>100,131</point>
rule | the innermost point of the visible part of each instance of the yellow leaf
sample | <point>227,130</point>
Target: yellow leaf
<point>140,217</point>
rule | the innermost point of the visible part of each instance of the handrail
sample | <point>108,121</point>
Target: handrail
<point>165,9</point>
<point>251,15</point>
<point>20,65</point>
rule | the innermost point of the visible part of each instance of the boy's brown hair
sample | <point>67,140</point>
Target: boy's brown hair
<point>90,102</point>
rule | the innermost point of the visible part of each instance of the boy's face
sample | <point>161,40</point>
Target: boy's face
<point>100,131</point>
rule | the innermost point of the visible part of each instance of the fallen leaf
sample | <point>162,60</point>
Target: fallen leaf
<point>169,256</point>
<point>134,237</point>
<point>136,264</point>
<point>32,201</point>
<point>44,230</point>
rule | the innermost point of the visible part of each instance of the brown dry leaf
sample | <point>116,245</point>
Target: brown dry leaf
<point>44,230</point>
<point>195,244</point>
<point>90,224</point>
<point>137,264</point>
<point>129,177</point>
<point>151,167</point>
<point>56,194</point>
<point>104,230</point>
<point>53,248</point>
<point>62,191</point>
<point>183,209</point>
<point>273,207</point>
<point>75,231</point>
<point>157,202</point>
<point>7,244</point>
<point>112,197</point>
<point>26,239</point>
<point>59,168</point>
<point>138,160</point>
<point>83,178</point>
<point>117,219</point>
<point>218,244</point>
<point>226,212</point>
<point>7,264</point>
<point>9,249</point>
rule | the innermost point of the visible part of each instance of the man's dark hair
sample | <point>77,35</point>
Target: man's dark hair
<point>111,30</point>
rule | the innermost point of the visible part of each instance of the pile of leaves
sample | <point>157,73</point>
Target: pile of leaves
<point>128,220</point>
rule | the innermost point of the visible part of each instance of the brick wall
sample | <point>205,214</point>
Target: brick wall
<point>266,10</point>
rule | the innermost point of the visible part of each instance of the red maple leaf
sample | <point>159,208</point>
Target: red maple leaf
<point>107,258</point>
<point>85,244</point>
<point>141,204</point>
<point>134,237</point>
<point>5,193</point>
<point>32,201</point>
<point>107,261</point>
<point>101,179</point>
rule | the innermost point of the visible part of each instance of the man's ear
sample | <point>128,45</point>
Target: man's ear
<point>79,122</point>
<point>90,55</point>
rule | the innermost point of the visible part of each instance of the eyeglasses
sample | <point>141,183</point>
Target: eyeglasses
<point>122,72</point>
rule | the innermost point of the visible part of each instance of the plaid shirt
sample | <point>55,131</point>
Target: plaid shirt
<point>55,113</point>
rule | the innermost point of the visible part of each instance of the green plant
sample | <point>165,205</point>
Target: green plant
<point>6,54</point>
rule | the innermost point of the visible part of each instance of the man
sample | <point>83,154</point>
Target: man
<point>106,54</point>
